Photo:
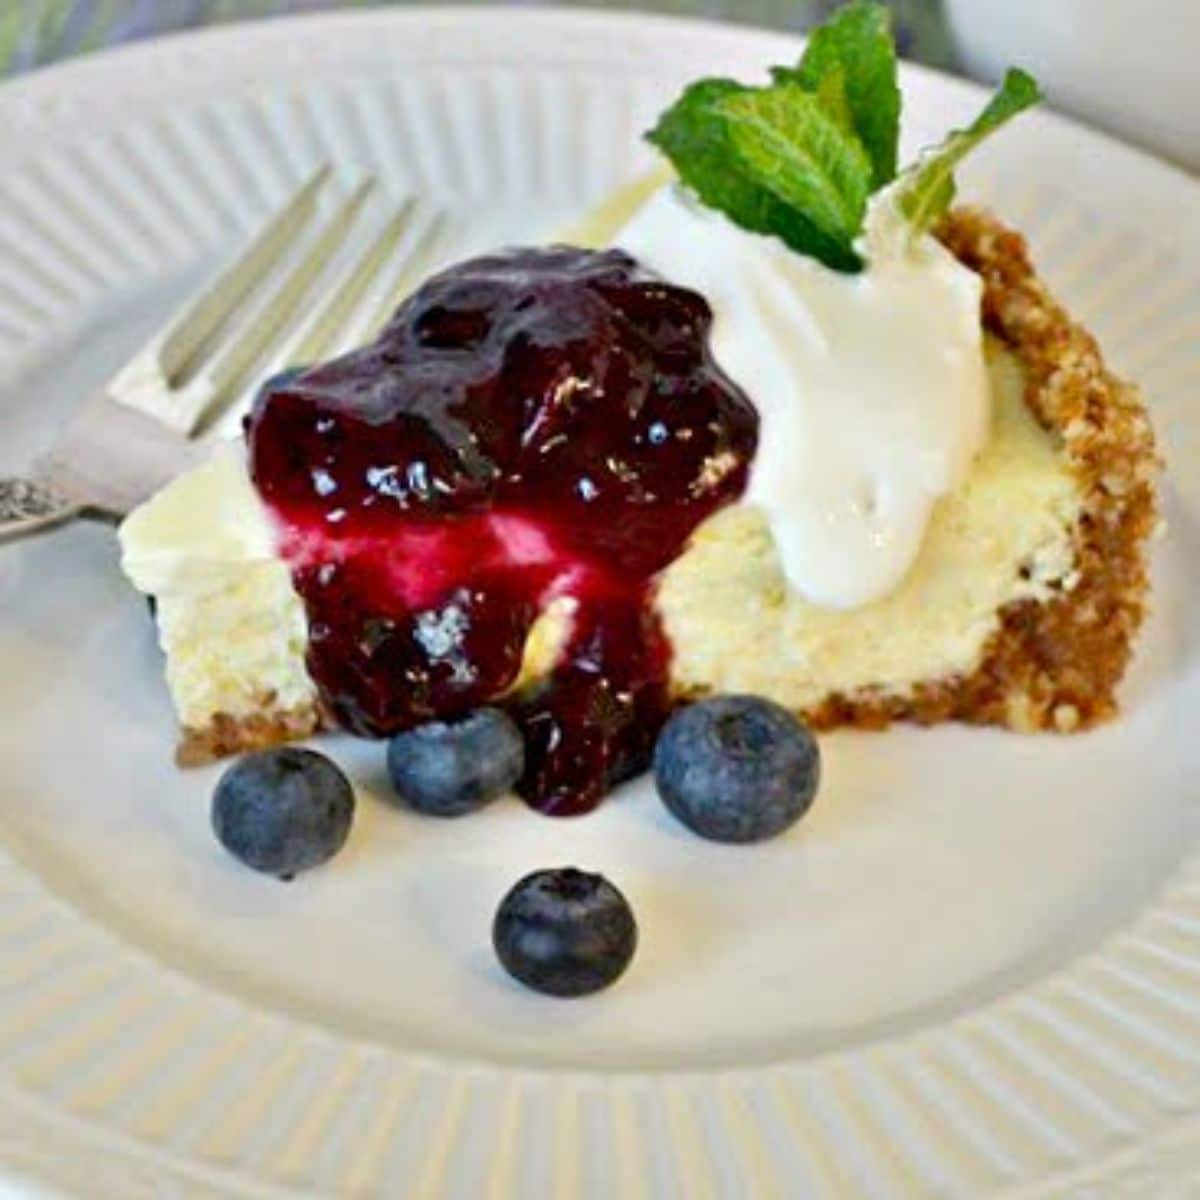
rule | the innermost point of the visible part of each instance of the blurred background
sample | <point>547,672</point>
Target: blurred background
<point>33,32</point>
<point>1128,68</point>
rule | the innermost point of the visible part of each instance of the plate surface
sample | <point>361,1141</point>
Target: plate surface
<point>974,969</point>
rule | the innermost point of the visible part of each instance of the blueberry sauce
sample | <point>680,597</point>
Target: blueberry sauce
<point>531,426</point>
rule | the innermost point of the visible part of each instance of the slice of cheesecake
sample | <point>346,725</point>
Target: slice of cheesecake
<point>1021,609</point>
<point>777,420</point>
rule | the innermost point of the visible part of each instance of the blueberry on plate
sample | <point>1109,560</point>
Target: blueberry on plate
<point>283,811</point>
<point>564,932</point>
<point>448,768</point>
<point>736,768</point>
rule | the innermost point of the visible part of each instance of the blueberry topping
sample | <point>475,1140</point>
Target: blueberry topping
<point>542,422</point>
<point>446,769</point>
<point>283,811</point>
<point>564,932</point>
<point>737,768</point>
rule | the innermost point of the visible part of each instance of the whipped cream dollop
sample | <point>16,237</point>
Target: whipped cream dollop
<point>871,388</point>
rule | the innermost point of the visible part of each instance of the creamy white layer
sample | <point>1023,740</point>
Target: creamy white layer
<point>871,388</point>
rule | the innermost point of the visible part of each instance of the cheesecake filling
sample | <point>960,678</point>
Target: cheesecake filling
<point>1006,536</point>
<point>537,430</point>
<point>871,388</point>
<point>229,621</point>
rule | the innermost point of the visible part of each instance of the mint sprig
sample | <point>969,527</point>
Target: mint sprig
<point>700,136</point>
<point>800,157</point>
<point>798,149</point>
<point>928,188</point>
<point>856,52</point>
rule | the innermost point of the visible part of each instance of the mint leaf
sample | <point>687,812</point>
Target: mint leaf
<point>927,189</point>
<point>856,45</point>
<point>800,158</point>
<point>719,159</point>
<point>692,133</point>
<point>798,150</point>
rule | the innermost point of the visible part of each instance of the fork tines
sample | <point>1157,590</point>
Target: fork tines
<point>320,275</point>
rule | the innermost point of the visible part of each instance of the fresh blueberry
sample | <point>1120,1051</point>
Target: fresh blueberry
<point>565,932</point>
<point>283,811</point>
<point>736,768</point>
<point>448,768</point>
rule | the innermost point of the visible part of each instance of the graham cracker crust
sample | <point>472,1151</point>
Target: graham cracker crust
<point>269,726</point>
<point>1052,665</point>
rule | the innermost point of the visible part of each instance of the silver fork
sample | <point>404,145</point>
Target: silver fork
<point>156,416</point>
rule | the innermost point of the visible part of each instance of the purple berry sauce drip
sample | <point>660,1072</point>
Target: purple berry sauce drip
<point>532,426</point>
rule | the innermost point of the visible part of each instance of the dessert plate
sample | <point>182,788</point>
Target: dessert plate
<point>973,970</point>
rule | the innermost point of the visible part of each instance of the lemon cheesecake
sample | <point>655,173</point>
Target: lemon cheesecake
<point>779,421</point>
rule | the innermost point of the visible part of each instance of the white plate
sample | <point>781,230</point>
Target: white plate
<point>975,968</point>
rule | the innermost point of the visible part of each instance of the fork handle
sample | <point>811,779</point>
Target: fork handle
<point>27,505</point>
<point>109,457</point>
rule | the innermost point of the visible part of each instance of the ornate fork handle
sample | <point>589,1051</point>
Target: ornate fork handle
<point>27,505</point>
<point>108,457</point>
